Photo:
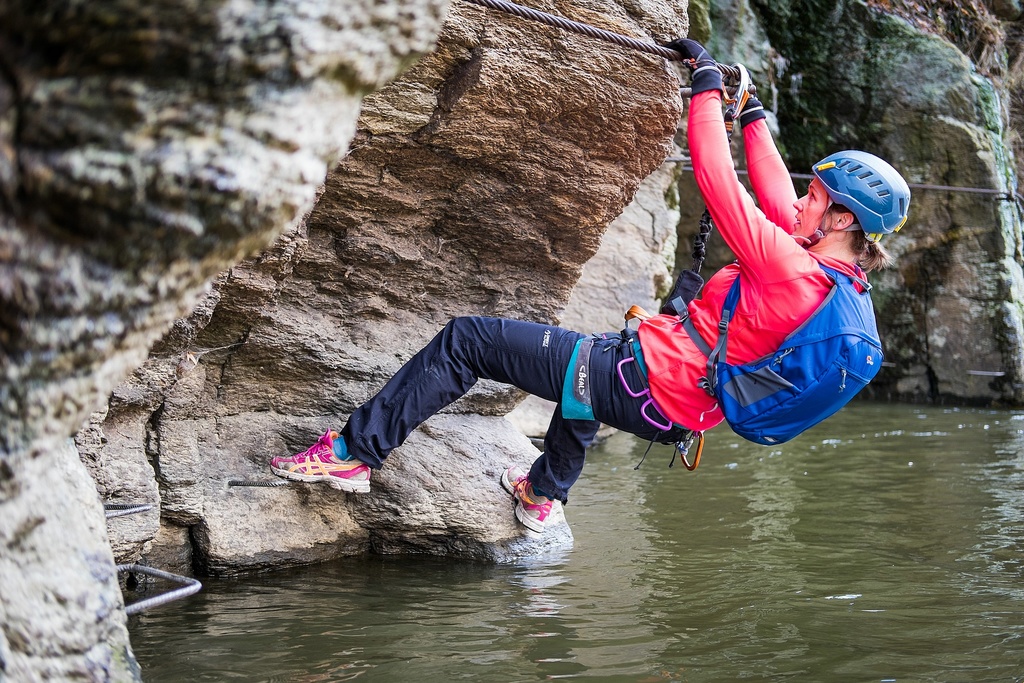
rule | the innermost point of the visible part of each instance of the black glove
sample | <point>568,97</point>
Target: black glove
<point>753,110</point>
<point>705,73</point>
<point>691,50</point>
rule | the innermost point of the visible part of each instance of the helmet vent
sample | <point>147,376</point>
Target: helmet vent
<point>865,174</point>
<point>855,168</point>
<point>874,183</point>
<point>883,193</point>
<point>903,207</point>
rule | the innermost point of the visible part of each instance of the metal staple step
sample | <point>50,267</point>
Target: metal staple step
<point>190,586</point>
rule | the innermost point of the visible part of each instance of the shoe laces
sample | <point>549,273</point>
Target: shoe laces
<point>521,487</point>
<point>322,448</point>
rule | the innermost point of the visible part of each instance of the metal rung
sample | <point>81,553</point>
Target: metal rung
<point>190,587</point>
<point>269,483</point>
<point>123,509</point>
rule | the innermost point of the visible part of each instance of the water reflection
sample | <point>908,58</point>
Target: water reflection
<point>998,550</point>
<point>885,546</point>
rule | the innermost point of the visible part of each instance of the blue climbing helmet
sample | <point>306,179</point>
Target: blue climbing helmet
<point>869,187</point>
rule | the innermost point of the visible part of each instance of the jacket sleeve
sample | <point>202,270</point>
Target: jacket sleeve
<point>766,251</point>
<point>769,176</point>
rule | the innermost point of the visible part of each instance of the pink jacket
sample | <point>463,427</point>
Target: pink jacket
<point>782,283</point>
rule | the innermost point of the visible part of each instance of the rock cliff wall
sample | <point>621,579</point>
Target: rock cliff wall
<point>144,148</point>
<point>480,182</point>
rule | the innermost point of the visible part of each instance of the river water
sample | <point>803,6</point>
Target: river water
<point>884,545</point>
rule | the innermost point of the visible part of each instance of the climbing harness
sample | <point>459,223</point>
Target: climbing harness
<point>682,446</point>
<point>659,421</point>
<point>580,378</point>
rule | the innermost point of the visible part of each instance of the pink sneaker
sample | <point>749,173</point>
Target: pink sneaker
<point>531,510</point>
<point>318,463</point>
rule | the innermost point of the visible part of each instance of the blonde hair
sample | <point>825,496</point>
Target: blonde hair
<point>870,255</point>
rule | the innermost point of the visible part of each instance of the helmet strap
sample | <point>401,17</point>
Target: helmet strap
<point>819,234</point>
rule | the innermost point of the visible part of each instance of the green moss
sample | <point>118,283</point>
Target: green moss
<point>672,198</point>
<point>699,13</point>
<point>988,102</point>
<point>842,58</point>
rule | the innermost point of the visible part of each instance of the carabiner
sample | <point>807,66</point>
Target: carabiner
<point>734,104</point>
<point>684,450</point>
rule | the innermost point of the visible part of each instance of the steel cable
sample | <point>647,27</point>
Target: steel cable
<point>674,56</point>
<point>592,32</point>
<point>1001,195</point>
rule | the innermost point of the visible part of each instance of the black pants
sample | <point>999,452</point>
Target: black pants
<point>531,356</point>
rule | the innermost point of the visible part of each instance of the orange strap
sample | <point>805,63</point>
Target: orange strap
<point>636,313</point>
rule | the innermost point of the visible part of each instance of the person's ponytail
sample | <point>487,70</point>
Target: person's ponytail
<point>871,255</point>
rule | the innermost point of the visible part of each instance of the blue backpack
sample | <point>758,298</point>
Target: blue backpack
<point>814,373</point>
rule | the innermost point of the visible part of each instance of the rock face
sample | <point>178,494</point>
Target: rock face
<point>144,148</point>
<point>480,182</point>
<point>76,604</point>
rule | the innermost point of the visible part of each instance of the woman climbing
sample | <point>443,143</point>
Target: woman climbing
<point>650,383</point>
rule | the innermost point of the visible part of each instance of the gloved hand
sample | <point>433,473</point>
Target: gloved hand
<point>706,75</point>
<point>752,111</point>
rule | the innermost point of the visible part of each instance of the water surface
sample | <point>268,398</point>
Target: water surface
<point>884,545</point>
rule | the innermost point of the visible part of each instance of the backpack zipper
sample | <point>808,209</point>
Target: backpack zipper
<point>778,359</point>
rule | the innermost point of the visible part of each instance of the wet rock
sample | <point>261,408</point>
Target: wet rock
<point>170,550</point>
<point>440,493</point>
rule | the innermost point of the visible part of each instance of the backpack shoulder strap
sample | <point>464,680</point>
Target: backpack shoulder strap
<point>732,300</point>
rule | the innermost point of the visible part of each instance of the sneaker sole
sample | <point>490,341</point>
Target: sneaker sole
<point>347,485</point>
<point>529,522</point>
<point>506,483</point>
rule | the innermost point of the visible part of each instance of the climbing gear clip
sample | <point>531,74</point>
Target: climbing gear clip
<point>683,449</point>
<point>734,105</point>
